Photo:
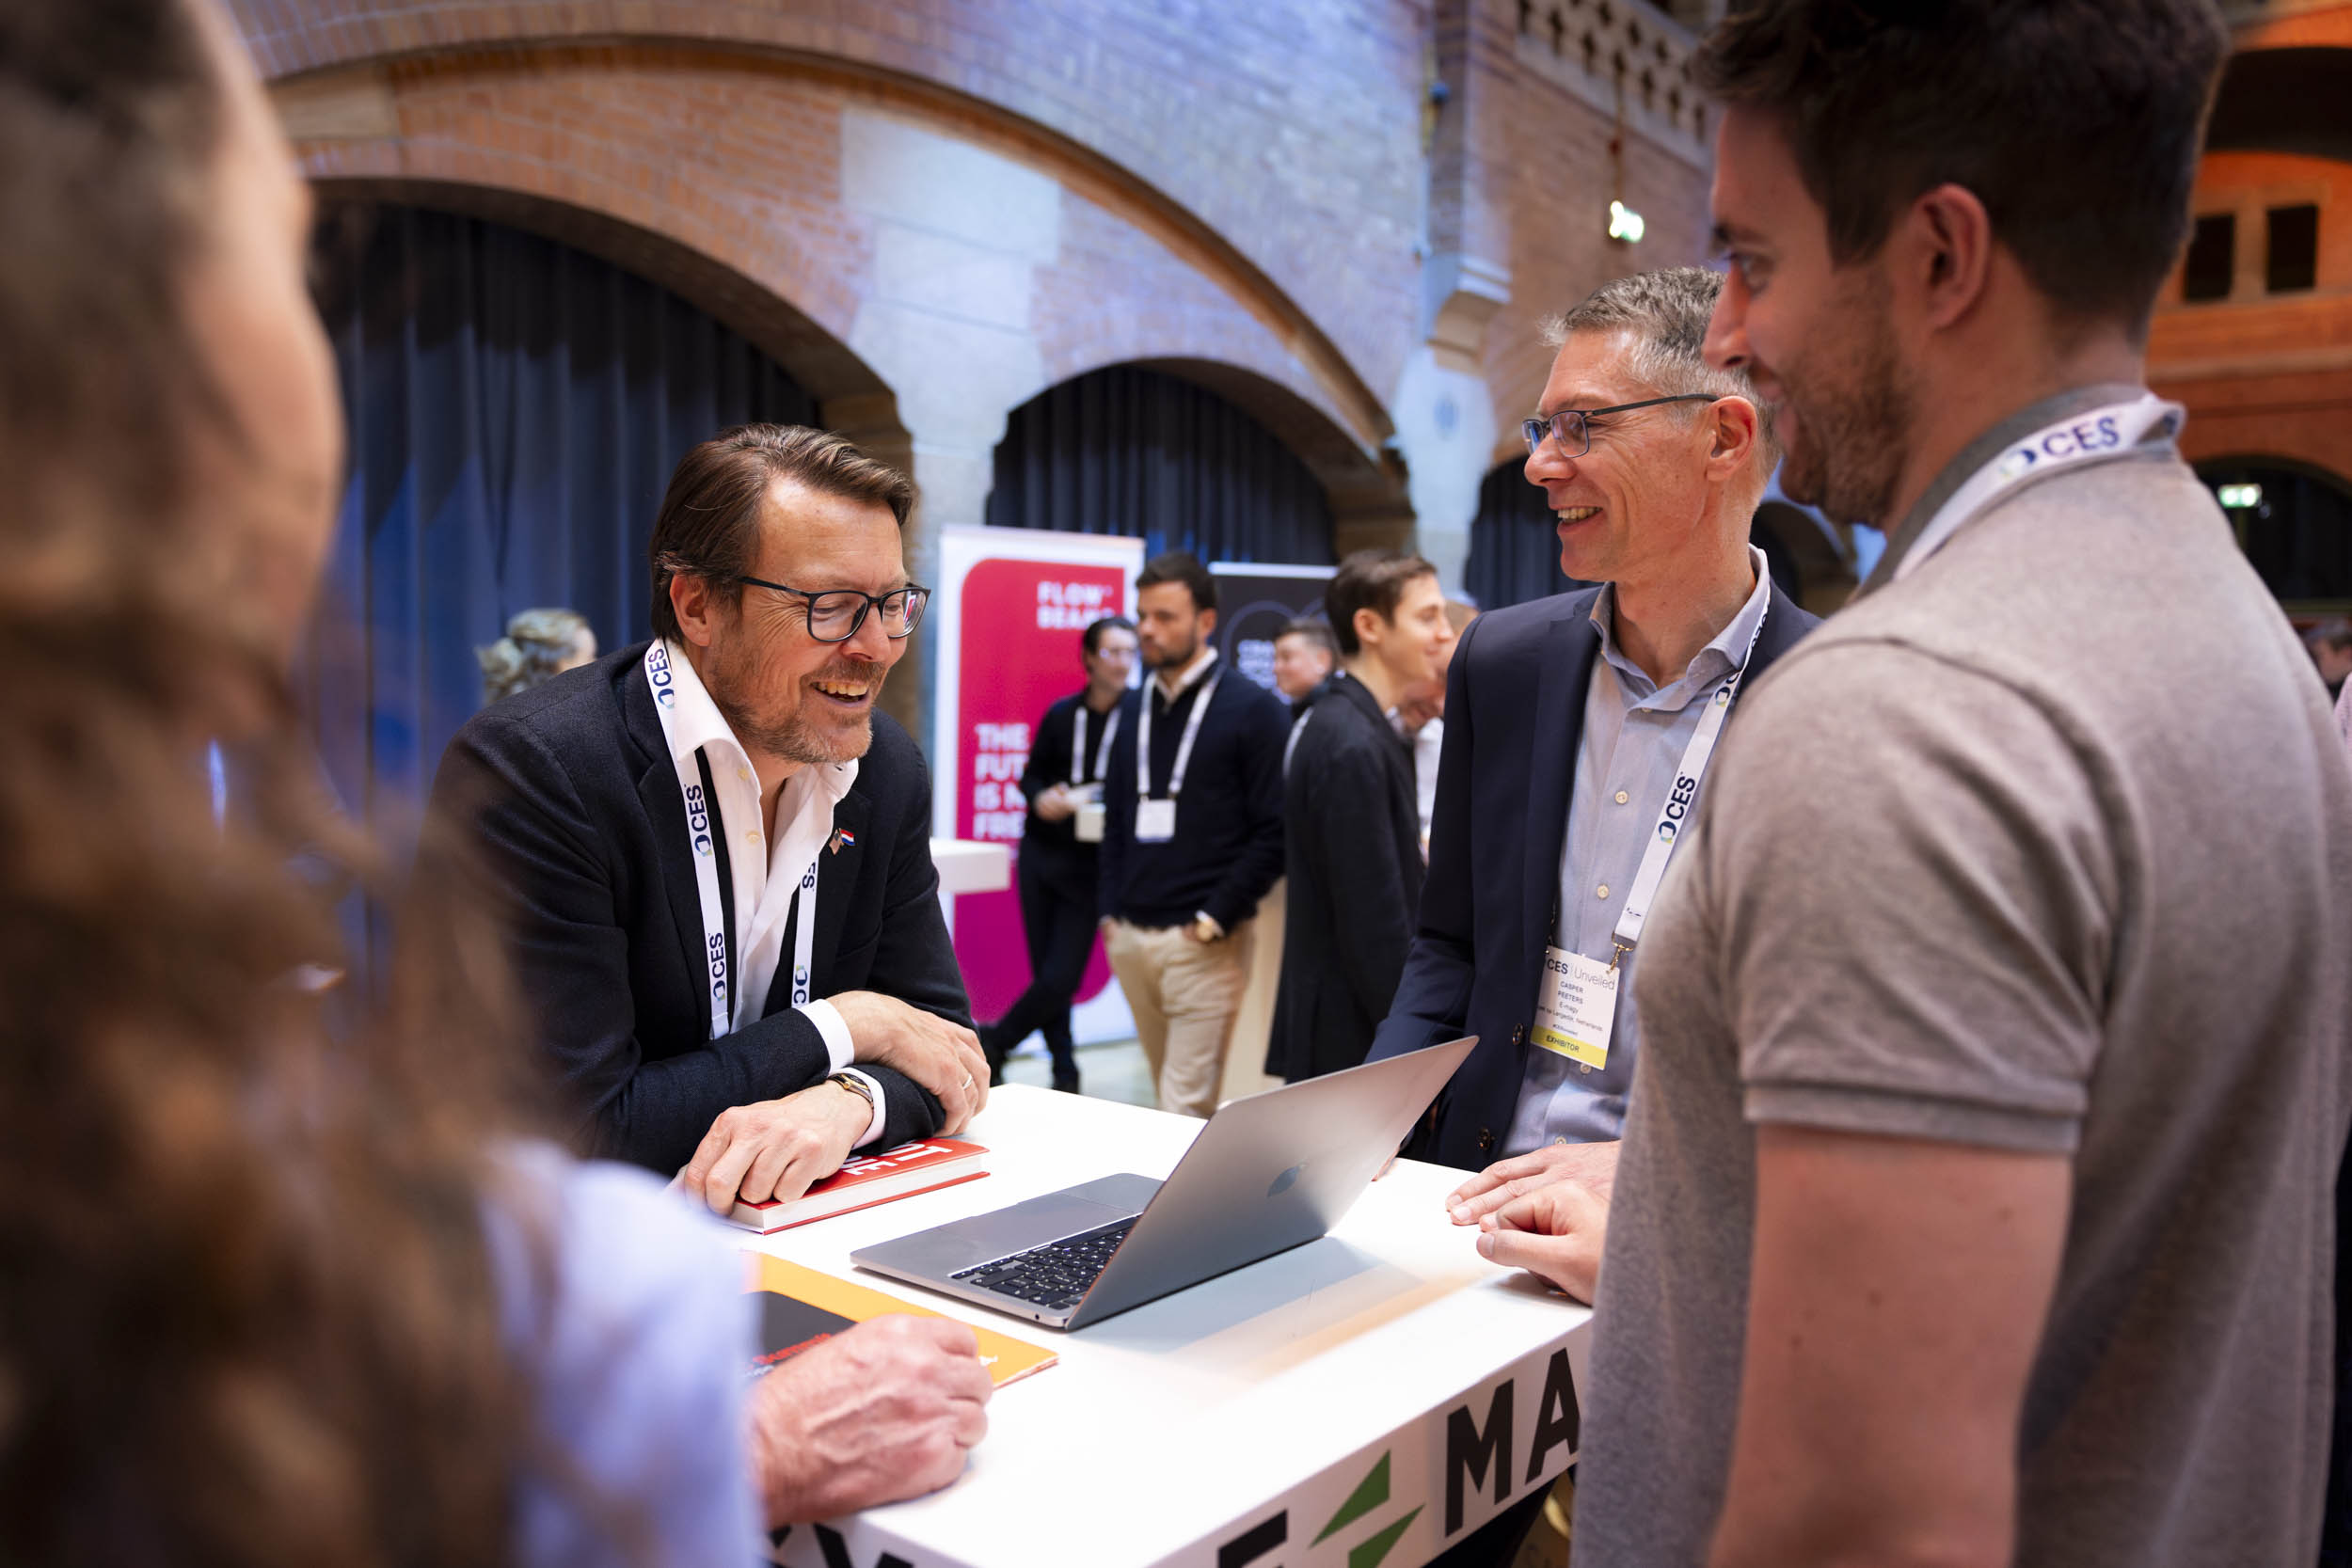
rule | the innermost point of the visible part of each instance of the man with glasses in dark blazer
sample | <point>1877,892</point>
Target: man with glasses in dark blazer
<point>1576,745</point>
<point>716,854</point>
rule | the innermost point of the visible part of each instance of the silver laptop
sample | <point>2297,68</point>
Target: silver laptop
<point>1269,1172</point>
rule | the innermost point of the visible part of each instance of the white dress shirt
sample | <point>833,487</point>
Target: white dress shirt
<point>765,874</point>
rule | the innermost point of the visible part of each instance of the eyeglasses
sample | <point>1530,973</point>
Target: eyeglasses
<point>836,614</point>
<point>1572,427</point>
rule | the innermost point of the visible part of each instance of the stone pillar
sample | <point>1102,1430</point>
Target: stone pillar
<point>958,232</point>
<point>1445,425</point>
<point>1444,414</point>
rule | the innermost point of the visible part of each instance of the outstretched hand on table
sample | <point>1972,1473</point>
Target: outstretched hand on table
<point>1545,1212</point>
<point>880,1413</point>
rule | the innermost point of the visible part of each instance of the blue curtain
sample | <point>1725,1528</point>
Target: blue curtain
<point>1514,552</point>
<point>516,408</point>
<point>1134,452</point>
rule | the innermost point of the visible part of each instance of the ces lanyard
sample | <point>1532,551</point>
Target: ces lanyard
<point>1679,800</point>
<point>1078,745</point>
<point>1183,746</point>
<point>704,823</point>
<point>2100,436</point>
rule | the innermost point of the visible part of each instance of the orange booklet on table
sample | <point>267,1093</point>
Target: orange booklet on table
<point>801,1307</point>
<point>861,1184</point>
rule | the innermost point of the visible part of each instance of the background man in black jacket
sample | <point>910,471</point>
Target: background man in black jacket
<point>1570,724</point>
<point>1062,781</point>
<point>718,855</point>
<point>1193,841</point>
<point>1351,822</point>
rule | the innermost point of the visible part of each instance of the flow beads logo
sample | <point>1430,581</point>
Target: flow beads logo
<point>698,819</point>
<point>2017,462</point>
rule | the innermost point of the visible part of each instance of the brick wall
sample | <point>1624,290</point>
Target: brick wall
<point>2266,374</point>
<point>1288,128</point>
<point>1267,197</point>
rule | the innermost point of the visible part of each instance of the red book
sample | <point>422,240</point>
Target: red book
<point>894,1173</point>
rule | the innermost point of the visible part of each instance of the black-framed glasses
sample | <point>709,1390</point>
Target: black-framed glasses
<point>1572,427</point>
<point>836,613</point>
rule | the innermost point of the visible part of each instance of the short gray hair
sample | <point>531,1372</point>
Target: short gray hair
<point>1667,312</point>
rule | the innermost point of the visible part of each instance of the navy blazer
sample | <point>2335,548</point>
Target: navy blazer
<point>570,795</point>
<point>1514,721</point>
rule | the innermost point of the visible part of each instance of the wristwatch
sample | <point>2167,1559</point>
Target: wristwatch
<point>856,1086</point>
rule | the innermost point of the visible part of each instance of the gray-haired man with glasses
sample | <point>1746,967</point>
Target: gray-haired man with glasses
<point>718,853</point>
<point>1578,730</point>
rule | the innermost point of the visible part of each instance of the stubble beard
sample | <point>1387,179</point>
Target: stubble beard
<point>1176,658</point>
<point>1854,412</point>
<point>792,735</point>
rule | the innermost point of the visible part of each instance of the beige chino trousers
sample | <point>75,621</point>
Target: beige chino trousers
<point>1184,995</point>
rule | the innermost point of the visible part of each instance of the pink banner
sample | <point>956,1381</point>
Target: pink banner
<point>1019,648</point>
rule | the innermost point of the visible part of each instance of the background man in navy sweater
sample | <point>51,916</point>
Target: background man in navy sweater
<point>1193,837</point>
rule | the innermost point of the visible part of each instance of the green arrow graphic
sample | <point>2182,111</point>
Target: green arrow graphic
<point>1370,1552</point>
<point>1369,1494</point>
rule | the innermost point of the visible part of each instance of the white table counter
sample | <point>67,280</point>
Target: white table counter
<point>969,865</point>
<point>1382,1383</point>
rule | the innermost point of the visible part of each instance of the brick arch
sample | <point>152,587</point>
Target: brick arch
<point>851,395</point>
<point>1329,132</point>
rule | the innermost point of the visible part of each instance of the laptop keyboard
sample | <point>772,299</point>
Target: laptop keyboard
<point>1053,1275</point>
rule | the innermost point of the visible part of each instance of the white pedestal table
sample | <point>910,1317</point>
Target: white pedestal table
<point>1362,1402</point>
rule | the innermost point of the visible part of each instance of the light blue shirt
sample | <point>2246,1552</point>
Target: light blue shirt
<point>1635,732</point>
<point>626,1310</point>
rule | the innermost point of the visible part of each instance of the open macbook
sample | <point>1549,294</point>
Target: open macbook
<point>1268,1172</point>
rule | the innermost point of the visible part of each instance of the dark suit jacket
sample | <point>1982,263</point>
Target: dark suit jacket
<point>571,797</point>
<point>1351,845</point>
<point>1227,847</point>
<point>1050,851</point>
<point>1514,719</point>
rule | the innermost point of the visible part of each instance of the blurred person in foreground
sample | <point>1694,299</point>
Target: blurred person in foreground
<point>1577,734</point>
<point>1062,782</point>
<point>1192,835</point>
<point>1304,658</point>
<point>718,854</point>
<point>267,1298</point>
<point>1977,1205</point>
<point>1351,830</point>
<point>539,644</point>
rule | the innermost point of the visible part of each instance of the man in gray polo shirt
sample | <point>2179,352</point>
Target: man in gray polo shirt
<point>1977,1201</point>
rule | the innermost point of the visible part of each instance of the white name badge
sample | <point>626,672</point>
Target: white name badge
<point>1155,821</point>
<point>1576,1008</point>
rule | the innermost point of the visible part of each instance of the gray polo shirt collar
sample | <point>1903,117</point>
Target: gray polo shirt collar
<point>2049,410</point>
